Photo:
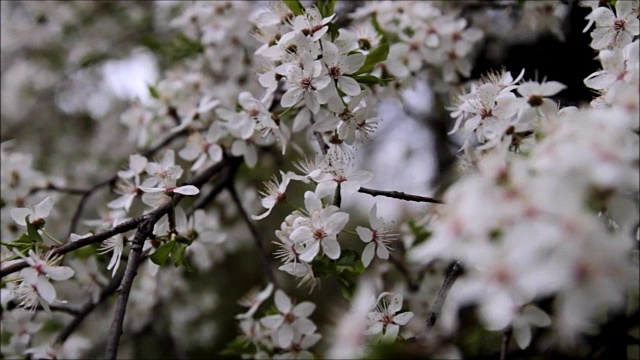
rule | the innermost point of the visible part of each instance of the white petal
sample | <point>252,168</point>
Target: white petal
<point>382,252</point>
<point>19,214</point>
<point>312,202</point>
<point>150,189</point>
<point>349,85</point>
<point>391,333</point>
<point>367,254</point>
<point>283,303</point>
<point>374,329</point>
<point>352,63</point>
<point>272,321</point>
<point>336,222</point>
<point>310,252</point>
<point>43,208</point>
<point>46,290</point>
<point>285,336</point>
<point>402,319</point>
<point>59,273</point>
<point>331,248</point>
<point>396,303</point>
<point>365,234</point>
<point>30,275</point>
<point>522,335</point>
<point>304,309</point>
<point>186,190</point>
<point>305,326</point>
<point>291,97</point>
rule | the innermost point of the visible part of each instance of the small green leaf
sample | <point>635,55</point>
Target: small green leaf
<point>238,346</point>
<point>23,244</point>
<point>154,92</point>
<point>178,256</point>
<point>32,231</point>
<point>295,6</point>
<point>375,57</point>
<point>162,253</point>
<point>326,7</point>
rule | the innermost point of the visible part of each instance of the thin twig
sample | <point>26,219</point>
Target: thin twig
<point>266,263</point>
<point>88,307</point>
<point>321,143</point>
<point>436,309</point>
<point>57,308</point>
<point>399,195</point>
<point>506,338</point>
<point>110,181</point>
<point>402,269</point>
<point>62,189</point>
<point>130,272</point>
<point>128,225</point>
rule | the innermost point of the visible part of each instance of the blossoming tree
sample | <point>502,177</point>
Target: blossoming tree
<point>147,219</point>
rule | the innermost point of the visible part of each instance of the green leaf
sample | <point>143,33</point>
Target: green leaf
<point>93,59</point>
<point>178,255</point>
<point>420,233</point>
<point>32,231</point>
<point>370,79</point>
<point>238,346</point>
<point>375,57</point>
<point>154,92</point>
<point>295,6</point>
<point>326,7</point>
<point>162,253</point>
<point>23,244</point>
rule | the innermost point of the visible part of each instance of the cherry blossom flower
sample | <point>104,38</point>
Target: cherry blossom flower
<point>253,299</point>
<point>167,174</point>
<point>349,180</point>
<point>384,318</point>
<point>202,149</point>
<point>274,193</point>
<point>36,215</point>
<point>113,244</point>
<point>35,287</point>
<point>305,83</point>
<point>338,66</point>
<point>377,238</point>
<point>615,30</point>
<point>291,320</point>
<point>322,229</point>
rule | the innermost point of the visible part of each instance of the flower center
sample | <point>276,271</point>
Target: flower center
<point>334,72</point>
<point>535,100</point>
<point>319,234</point>
<point>618,25</point>
<point>305,84</point>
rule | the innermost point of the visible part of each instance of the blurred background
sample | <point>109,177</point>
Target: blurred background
<point>71,69</point>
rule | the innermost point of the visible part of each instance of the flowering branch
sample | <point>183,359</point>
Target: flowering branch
<point>88,307</point>
<point>266,263</point>
<point>436,309</point>
<point>399,195</point>
<point>506,337</point>
<point>122,227</point>
<point>144,230</point>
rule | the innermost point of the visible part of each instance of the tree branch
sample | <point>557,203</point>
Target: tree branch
<point>266,263</point>
<point>144,230</point>
<point>506,338</point>
<point>399,195</point>
<point>88,307</point>
<point>436,309</point>
<point>128,225</point>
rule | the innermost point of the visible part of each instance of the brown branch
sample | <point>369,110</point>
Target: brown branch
<point>115,331</point>
<point>399,195</point>
<point>88,307</point>
<point>266,263</point>
<point>506,338</point>
<point>62,189</point>
<point>323,145</point>
<point>436,309</point>
<point>128,225</point>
